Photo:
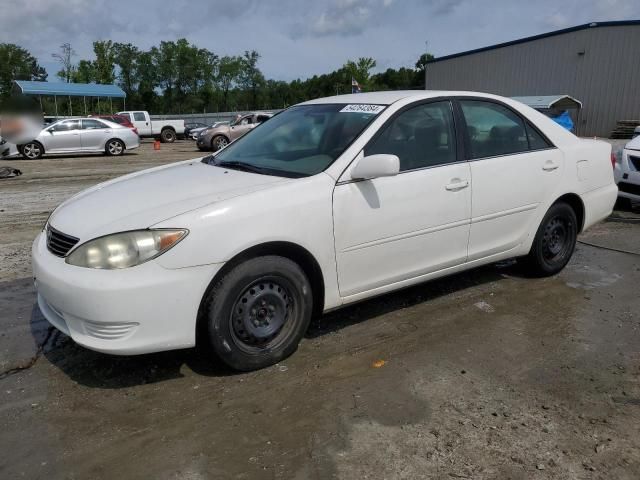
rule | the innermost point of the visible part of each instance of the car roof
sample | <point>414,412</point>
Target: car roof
<point>389,97</point>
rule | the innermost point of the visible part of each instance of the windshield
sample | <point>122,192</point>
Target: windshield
<point>300,141</point>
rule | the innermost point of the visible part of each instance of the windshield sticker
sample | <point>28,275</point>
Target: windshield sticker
<point>362,108</point>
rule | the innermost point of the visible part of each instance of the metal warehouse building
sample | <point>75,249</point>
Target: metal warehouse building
<point>597,63</point>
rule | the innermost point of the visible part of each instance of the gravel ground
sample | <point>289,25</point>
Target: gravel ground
<point>485,374</point>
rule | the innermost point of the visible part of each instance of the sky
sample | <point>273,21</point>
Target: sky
<point>296,38</point>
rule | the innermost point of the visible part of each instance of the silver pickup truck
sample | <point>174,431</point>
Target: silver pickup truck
<point>165,130</point>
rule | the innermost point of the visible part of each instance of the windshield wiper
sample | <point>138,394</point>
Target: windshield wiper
<point>246,167</point>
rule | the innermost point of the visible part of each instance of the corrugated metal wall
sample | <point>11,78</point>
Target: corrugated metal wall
<point>605,77</point>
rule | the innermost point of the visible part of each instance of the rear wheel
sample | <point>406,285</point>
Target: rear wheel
<point>218,142</point>
<point>554,242</point>
<point>168,135</point>
<point>32,150</point>
<point>258,312</point>
<point>114,147</point>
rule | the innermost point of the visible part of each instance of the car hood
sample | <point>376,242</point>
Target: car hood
<point>143,199</point>
<point>633,144</point>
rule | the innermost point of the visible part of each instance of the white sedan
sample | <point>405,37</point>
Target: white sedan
<point>81,135</point>
<point>627,171</point>
<point>330,202</point>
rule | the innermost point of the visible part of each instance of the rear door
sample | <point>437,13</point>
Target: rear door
<point>62,137</point>
<point>94,134</point>
<point>514,169</point>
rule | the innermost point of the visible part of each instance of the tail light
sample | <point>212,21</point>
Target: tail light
<point>613,160</point>
<point>134,130</point>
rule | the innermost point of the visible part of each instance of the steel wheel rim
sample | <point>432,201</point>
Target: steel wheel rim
<point>31,150</point>
<point>555,241</point>
<point>261,317</point>
<point>115,148</point>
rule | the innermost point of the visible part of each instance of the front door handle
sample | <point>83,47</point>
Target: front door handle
<point>457,184</point>
<point>550,166</point>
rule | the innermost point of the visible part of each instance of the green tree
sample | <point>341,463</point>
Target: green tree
<point>16,63</point>
<point>126,57</point>
<point>229,71</point>
<point>105,60</point>
<point>251,77</point>
<point>84,72</point>
<point>360,69</point>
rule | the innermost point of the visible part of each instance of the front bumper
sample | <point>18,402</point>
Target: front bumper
<point>627,175</point>
<point>141,309</point>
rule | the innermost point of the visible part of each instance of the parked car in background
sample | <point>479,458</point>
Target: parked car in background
<point>199,131</point>
<point>636,132</point>
<point>81,135</point>
<point>328,203</point>
<point>120,119</point>
<point>189,126</point>
<point>627,172</point>
<point>165,130</point>
<point>221,135</point>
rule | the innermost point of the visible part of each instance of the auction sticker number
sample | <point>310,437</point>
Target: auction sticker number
<point>362,108</point>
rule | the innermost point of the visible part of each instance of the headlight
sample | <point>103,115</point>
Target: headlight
<point>126,249</point>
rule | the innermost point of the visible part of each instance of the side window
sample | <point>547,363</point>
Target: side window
<point>263,118</point>
<point>246,120</point>
<point>423,136</point>
<point>90,124</point>
<point>66,126</point>
<point>536,141</point>
<point>493,129</point>
<point>139,117</point>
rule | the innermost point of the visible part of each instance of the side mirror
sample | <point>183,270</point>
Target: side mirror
<point>374,166</point>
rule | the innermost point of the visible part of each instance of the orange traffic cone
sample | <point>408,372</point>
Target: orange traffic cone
<point>156,145</point>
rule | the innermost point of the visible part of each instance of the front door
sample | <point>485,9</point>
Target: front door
<point>514,170</point>
<point>392,229</point>
<point>62,137</point>
<point>142,122</point>
<point>241,127</point>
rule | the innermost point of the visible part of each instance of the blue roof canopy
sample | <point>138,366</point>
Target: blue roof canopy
<point>69,89</point>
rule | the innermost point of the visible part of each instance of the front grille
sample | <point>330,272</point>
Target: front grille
<point>629,188</point>
<point>59,243</point>
<point>635,161</point>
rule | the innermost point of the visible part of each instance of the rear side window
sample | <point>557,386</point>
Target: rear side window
<point>263,118</point>
<point>90,124</point>
<point>423,136</point>
<point>493,129</point>
<point>139,116</point>
<point>536,141</point>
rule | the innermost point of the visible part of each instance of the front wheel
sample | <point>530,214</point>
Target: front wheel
<point>114,147</point>
<point>258,312</point>
<point>218,142</point>
<point>32,150</point>
<point>554,242</point>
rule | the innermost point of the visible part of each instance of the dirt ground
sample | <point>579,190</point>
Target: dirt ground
<point>486,374</point>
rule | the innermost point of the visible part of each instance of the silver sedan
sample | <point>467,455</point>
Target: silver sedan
<point>81,135</point>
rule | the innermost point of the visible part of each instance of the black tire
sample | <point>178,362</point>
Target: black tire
<point>168,135</point>
<point>554,242</point>
<point>114,147</point>
<point>218,142</point>
<point>32,150</point>
<point>258,312</point>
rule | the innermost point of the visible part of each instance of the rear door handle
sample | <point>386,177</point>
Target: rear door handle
<point>456,185</point>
